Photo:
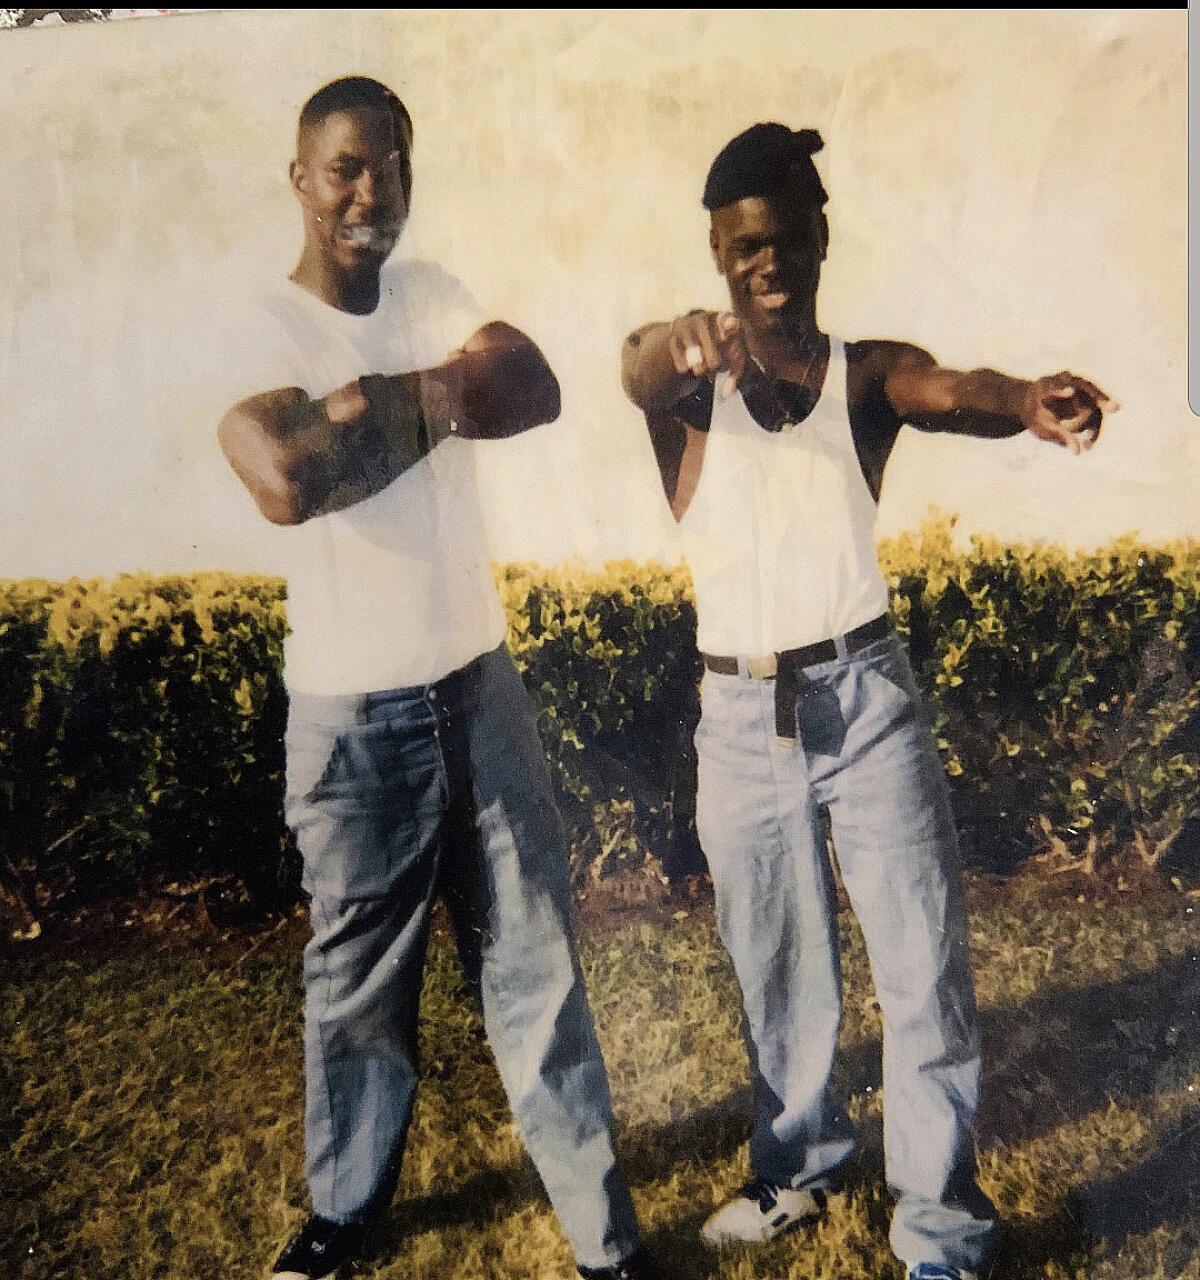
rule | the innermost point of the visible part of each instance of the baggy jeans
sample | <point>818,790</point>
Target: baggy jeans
<point>395,797</point>
<point>865,755</point>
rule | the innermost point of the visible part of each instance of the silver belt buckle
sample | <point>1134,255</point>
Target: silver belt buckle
<point>759,668</point>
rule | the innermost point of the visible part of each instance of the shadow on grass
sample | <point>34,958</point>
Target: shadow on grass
<point>1163,1188</point>
<point>647,1154</point>
<point>484,1197</point>
<point>1051,1061</point>
<point>1048,1062</point>
<point>708,1135</point>
<point>1162,1191</point>
<point>1059,1057</point>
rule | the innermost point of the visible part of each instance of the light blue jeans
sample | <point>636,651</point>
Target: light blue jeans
<point>864,755</point>
<point>395,797</point>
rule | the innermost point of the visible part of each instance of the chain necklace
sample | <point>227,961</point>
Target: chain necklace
<point>797,396</point>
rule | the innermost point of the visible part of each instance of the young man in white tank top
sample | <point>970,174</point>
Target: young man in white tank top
<point>771,440</point>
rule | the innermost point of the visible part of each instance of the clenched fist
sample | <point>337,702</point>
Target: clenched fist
<point>705,343</point>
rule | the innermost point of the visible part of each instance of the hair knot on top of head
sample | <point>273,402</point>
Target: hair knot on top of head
<point>766,160</point>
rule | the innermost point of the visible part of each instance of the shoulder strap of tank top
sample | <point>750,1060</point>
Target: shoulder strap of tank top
<point>866,450</point>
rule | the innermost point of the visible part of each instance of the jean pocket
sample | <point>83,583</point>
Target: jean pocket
<point>309,752</point>
<point>365,803</point>
<point>889,659</point>
<point>376,765</point>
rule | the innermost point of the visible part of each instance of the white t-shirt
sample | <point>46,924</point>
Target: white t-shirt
<point>396,590</point>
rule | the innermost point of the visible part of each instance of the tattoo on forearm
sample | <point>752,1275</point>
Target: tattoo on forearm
<point>396,413</point>
<point>343,463</point>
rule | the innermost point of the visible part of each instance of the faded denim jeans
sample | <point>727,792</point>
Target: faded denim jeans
<point>395,797</point>
<point>865,756</point>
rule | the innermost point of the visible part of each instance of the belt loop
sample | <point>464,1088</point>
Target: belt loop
<point>743,667</point>
<point>843,649</point>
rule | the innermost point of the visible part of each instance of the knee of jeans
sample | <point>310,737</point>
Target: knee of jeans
<point>532,994</point>
<point>382,1049</point>
<point>357,1000</point>
<point>527,859</point>
<point>354,939</point>
<point>937,1015</point>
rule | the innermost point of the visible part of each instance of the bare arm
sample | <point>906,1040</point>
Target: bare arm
<point>679,453</point>
<point>1062,408</point>
<point>663,362</point>
<point>667,370</point>
<point>301,457</point>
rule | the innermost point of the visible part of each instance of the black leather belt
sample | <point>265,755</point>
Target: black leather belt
<point>786,668</point>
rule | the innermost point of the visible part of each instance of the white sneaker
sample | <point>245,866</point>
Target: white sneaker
<point>939,1271</point>
<point>761,1211</point>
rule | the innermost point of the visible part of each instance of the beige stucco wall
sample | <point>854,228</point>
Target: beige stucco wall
<point>1007,188</point>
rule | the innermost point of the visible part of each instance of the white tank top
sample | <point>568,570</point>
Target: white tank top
<point>779,534</point>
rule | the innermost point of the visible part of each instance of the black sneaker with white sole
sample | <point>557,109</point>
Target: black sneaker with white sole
<point>637,1266</point>
<point>318,1249</point>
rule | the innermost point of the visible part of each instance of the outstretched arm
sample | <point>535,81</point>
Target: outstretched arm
<point>667,370</point>
<point>664,362</point>
<point>1062,408</point>
<point>301,457</point>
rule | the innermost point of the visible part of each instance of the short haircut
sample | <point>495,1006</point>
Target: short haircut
<point>344,95</point>
<point>766,160</point>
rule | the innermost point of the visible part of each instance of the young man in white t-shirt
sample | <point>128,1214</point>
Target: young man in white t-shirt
<point>413,764</point>
<point>771,439</point>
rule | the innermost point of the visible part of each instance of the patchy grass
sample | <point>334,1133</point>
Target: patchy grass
<point>151,1106</point>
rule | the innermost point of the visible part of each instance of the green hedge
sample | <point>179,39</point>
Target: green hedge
<point>141,726</point>
<point>141,720</point>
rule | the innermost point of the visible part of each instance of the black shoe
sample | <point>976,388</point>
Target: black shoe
<point>636,1267</point>
<point>318,1249</point>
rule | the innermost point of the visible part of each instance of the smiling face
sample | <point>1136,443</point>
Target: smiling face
<point>353,180</point>
<point>770,252</point>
